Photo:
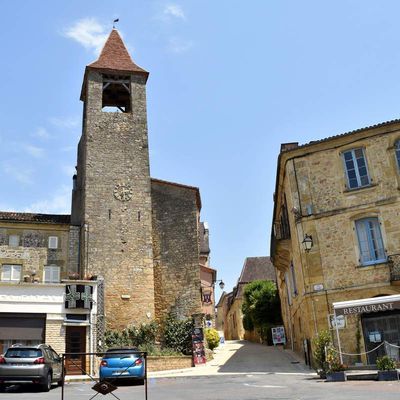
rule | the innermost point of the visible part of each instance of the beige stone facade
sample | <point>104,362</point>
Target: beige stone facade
<point>343,192</point>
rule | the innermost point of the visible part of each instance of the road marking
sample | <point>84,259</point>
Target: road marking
<point>265,386</point>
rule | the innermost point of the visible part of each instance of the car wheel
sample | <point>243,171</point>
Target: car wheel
<point>47,383</point>
<point>139,382</point>
<point>2,388</point>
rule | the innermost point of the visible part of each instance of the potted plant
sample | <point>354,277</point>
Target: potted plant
<point>320,343</point>
<point>386,369</point>
<point>73,275</point>
<point>336,370</point>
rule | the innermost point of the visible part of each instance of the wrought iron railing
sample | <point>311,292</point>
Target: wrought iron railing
<point>394,265</point>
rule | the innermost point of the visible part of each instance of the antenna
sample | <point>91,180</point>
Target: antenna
<point>115,20</point>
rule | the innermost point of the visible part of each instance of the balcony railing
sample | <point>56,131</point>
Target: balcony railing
<point>281,230</point>
<point>394,265</point>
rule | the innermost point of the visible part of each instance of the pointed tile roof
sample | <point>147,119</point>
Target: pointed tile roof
<point>115,57</point>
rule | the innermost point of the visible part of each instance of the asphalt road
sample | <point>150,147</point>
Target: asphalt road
<point>238,387</point>
<point>241,371</point>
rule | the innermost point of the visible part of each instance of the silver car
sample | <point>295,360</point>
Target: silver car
<point>39,364</point>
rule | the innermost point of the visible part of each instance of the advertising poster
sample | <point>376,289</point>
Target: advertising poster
<point>199,355</point>
<point>278,335</point>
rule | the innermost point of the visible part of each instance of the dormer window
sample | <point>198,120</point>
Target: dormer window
<point>116,93</point>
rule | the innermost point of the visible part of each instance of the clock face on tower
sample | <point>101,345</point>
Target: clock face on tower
<point>123,191</point>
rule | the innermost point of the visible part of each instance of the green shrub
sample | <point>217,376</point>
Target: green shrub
<point>178,335</point>
<point>321,343</point>
<point>385,363</point>
<point>132,336</point>
<point>212,338</point>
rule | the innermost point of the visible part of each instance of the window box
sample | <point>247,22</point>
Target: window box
<point>338,376</point>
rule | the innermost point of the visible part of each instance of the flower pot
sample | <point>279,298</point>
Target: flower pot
<point>391,375</point>
<point>337,376</point>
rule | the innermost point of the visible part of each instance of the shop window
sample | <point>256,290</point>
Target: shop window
<point>370,241</point>
<point>11,273</point>
<point>356,168</point>
<point>13,240</point>
<point>51,274</point>
<point>53,242</point>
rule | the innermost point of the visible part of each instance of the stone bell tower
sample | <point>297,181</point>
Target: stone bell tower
<point>112,192</point>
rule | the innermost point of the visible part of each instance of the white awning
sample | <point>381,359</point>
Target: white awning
<point>373,304</point>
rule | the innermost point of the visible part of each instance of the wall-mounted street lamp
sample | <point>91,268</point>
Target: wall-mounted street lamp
<point>221,283</point>
<point>307,242</point>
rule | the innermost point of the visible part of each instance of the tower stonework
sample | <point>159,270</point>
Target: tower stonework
<point>112,190</point>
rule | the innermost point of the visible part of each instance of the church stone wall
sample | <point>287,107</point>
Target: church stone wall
<point>116,240</point>
<point>176,251</point>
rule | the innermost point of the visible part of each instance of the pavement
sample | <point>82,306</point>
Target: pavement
<point>239,357</point>
<point>236,357</point>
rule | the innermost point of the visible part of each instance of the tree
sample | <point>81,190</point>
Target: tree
<point>261,306</point>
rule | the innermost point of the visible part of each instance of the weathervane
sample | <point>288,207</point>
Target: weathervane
<point>115,20</point>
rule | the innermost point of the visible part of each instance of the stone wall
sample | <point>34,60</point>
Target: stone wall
<point>55,334</point>
<point>114,184</point>
<point>176,250</point>
<point>313,182</point>
<point>166,363</point>
<point>33,253</point>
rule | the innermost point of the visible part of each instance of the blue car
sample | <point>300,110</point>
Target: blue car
<point>122,364</point>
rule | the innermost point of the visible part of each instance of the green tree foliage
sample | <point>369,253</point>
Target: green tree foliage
<point>178,335</point>
<point>212,338</point>
<point>261,307</point>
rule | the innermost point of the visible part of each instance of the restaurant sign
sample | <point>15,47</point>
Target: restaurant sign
<point>368,308</point>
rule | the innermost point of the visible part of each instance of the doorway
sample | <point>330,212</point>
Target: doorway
<point>379,327</point>
<point>75,343</point>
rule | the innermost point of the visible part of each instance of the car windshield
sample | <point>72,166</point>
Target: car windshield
<point>23,353</point>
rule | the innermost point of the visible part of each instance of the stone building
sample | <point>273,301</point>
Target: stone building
<point>138,237</point>
<point>336,236</point>
<point>254,268</point>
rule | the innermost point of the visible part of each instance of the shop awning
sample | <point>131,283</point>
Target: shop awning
<point>373,304</point>
<point>19,328</point>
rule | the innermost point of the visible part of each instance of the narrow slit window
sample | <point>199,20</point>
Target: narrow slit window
<point>116,93</point>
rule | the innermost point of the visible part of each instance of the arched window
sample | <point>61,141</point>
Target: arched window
<point>397,151</point>
<point>370,241</point>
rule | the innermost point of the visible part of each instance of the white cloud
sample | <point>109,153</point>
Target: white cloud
<point>178,45</point>
<point>89,33</point>
<point>59,203</point>
<point>20,174</point>
<point>41,133</point>
<point>65,122</point>
<point>34,151</point>
<point>174,10</point>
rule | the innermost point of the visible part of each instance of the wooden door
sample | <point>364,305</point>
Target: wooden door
<point>75,343</point>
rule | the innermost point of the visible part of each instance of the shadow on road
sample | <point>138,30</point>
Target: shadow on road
<point>254,357</point>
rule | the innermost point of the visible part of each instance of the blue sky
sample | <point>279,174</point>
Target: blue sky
<point>229,81</point>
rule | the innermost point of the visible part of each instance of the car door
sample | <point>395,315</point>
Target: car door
<point>57,367</point>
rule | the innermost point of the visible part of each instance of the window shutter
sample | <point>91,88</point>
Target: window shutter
<point>53,242</point>
<point>47,274</point>
<point>55,277</point>
<point>13,240</point>
<point>6,273</point>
